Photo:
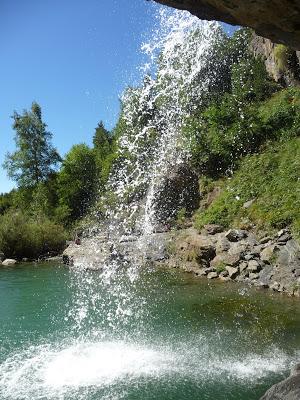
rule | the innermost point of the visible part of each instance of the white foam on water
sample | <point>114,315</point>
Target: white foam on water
<point>52,371</point>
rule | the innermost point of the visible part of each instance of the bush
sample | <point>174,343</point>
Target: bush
<point>21,236</point>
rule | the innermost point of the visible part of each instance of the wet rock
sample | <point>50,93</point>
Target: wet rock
<point>53,259</point>
<point>9,261</point>
<point>2,256</point>
<point>234,235</point>
<point>232,272</point>
<point>212,229</point>
<point>212,275</point>
<point>288,389</point>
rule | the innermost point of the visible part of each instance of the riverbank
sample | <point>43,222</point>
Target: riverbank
<point>269,262</point>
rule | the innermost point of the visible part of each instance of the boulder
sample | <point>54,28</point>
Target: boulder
<point>243,266</point>
<point>248,203</point>
<point>269,253</point>
<point>288,389</point>
<point>222,245</point>
<point>232,272</point>
<point>212,229</point>
<point>9,261</point>
<point>2,256</point>
<point>254,266</point>
<point>212,275</point>
<point>225,259</point>
<point>234,235</point>
<point>265,239</point>
<point>253,276</point>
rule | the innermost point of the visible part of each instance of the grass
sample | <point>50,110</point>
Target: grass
<point>272,178</point>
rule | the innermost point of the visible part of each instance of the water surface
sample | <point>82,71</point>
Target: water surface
<point>140,335</point>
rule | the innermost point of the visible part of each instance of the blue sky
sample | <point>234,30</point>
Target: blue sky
<point>74,57</point>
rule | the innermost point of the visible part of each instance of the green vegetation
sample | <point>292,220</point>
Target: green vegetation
<point>271,180</point>
<point>242,135</point>
<point>21,236</point>
<point>38,216</point>
<point>282,55</point>
<point>35,158</point>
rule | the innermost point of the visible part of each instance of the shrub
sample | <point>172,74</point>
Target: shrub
<point>21,236</point>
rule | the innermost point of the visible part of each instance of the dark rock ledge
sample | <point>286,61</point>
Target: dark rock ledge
<point>278,20</point>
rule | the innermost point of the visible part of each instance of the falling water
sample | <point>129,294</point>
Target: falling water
<point>176,81</point>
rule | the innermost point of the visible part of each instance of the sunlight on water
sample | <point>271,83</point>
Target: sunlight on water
<point>55,370</point>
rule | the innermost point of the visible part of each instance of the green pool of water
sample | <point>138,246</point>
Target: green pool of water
<point>140,335</point>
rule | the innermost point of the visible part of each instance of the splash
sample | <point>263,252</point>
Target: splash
<point>112,368</point>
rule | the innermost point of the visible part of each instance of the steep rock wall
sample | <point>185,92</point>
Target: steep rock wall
<point>278,20</point>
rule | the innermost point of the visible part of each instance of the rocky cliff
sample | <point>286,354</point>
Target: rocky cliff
<point>278,20</point>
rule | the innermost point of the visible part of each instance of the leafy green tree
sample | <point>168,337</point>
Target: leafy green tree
<point>76,183</point>
<point>35,158</point>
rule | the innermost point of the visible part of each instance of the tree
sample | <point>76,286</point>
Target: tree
<point>35,158</point>
<point>102,141</point>
<point>76,183</point>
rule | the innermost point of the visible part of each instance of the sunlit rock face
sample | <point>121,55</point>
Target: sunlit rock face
<point>282,68</point>
<point>278,20</point>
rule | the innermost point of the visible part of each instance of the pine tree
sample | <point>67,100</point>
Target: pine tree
<point>35,158</point>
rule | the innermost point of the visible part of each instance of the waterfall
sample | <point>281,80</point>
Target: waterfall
<point>151,147</point>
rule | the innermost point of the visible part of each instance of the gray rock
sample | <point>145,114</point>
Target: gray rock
<point>269,253</point>
<point>253,276</point>
<point>212,229</point>
<point>223,274</point>
<point>9,261</point>
<point>222,245</point>
<point>232,272</point>
<point>212,275</point>
<point>243,265</point>
<point>288,389</point>
<point>234,235</point>
<point>265,239</point>
<point>254,266</point>
<point>2,256</point>
<point>225,259</point>
<point>249,203</point>
<point>275,286</point>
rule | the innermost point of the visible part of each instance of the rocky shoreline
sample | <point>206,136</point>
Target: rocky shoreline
<point>271,262</point>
